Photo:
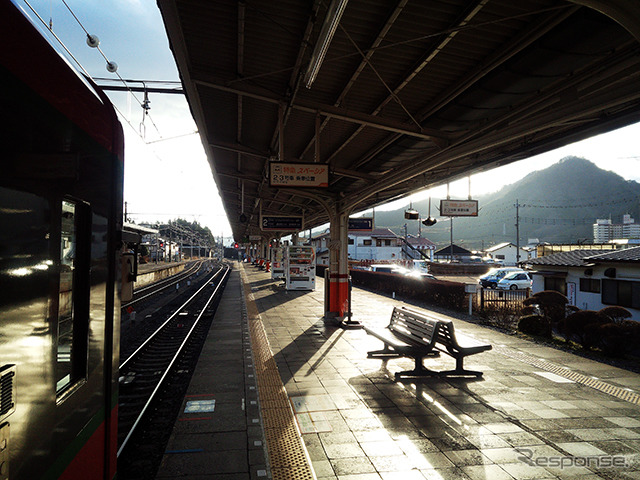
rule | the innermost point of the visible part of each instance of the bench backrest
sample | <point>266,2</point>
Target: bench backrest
<point>414,326</point>
<point>446,334</point>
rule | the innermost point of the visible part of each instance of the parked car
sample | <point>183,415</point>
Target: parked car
<point>419,274</point>
<point>389,268</point>
<point>516,281</point>
<point>493,276</point>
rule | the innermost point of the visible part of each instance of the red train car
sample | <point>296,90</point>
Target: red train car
<point>60,235</point>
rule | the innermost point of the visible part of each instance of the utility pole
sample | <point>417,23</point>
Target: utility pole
<point>450,226</point>
<point>451,233</point>
<point>170,242</point>
<point>517,205</point>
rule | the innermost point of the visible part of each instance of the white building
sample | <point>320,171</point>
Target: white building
<point>592,279</point>
<point>507,253</point>
<point>604,230</point>
<point>381,244</point>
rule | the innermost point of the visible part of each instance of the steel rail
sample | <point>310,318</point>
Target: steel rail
<point>177,354</point>
<point>171,317</point>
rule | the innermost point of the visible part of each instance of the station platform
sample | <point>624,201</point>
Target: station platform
<point>281,393</point>
<point>153,266</point>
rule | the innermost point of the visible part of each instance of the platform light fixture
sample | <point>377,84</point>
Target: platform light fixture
<point>331,21</point>
<point>411,214</point>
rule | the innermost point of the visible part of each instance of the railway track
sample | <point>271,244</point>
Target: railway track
<point>149,291</point>
<point>153,380</point>
<point>148,310</point>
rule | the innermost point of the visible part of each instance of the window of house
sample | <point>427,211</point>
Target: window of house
<point>623,293</point>
<point>350,240</point>
<point>590,285</point>
<point>387,243</point>
<point>366,242</point>
<point>378,242</point>
<point>556,283</point>
<point>500,257</point>
<point>73,295</point>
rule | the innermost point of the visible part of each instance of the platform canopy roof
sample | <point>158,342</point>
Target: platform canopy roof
<point>409,93</point>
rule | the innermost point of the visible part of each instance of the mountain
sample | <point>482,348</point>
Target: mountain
<point>559,204</point>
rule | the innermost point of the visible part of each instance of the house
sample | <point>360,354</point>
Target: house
<point>380,244</point>
<point>419,248</point>
<point>459,253</point>
<point>507,253</point>
<point>321,244</point>
<point>592,279</point>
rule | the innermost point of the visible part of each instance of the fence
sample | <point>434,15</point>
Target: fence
<point>502,299</point>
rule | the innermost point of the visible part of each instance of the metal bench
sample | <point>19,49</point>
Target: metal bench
<point>416,335</point>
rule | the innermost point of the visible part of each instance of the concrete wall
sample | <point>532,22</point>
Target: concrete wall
<point>149,276</point>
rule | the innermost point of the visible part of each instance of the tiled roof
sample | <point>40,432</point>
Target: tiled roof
<point>415,241</point>
<point>578,258</point>
<point>623,255</point>
<point>456,250</point>
<point>574,258</point>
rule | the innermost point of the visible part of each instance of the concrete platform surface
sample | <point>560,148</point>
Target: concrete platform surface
<point>537,412</point>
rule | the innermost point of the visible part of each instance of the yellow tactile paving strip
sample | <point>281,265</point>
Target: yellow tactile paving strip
<point>288,457</point>
<point>595,383</point>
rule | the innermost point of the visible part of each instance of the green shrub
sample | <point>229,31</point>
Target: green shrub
<point>552,304</point>
<point>619,338</point>
<point>569,309</point>
<point>582,326</point>
<point>615,314</point>
<point>502,317</point>
<point>535,325</point>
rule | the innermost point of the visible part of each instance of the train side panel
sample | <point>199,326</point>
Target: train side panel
<point>60,218</point>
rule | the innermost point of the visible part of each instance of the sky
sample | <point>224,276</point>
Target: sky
<point>166,170</point>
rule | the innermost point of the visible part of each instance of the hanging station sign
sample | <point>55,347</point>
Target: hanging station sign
<point>459,208</point>
<point>281,223</point>
<point>362,224</point>
<point>283,174</point>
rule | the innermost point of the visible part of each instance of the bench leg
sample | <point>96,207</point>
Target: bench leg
<point>419,369</point>
<point>460,371</point>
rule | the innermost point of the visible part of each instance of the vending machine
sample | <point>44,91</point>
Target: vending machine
<point>277,263</point>
<point>300,267</point>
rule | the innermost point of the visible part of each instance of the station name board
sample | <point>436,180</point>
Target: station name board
<point>283,174</point>
<point>281,223</point>
<point>362,224</point>
<point>459,208</point>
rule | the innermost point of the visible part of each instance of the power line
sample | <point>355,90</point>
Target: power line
<point>93,42</point>
<point>48,27</point>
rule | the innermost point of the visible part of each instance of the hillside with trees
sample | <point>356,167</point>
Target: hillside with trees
<point>556,205</point>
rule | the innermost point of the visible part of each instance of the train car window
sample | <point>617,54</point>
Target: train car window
<point>73,317</point>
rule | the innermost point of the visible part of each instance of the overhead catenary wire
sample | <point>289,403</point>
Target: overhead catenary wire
<point>49,27</point>
<point>57,38</point>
